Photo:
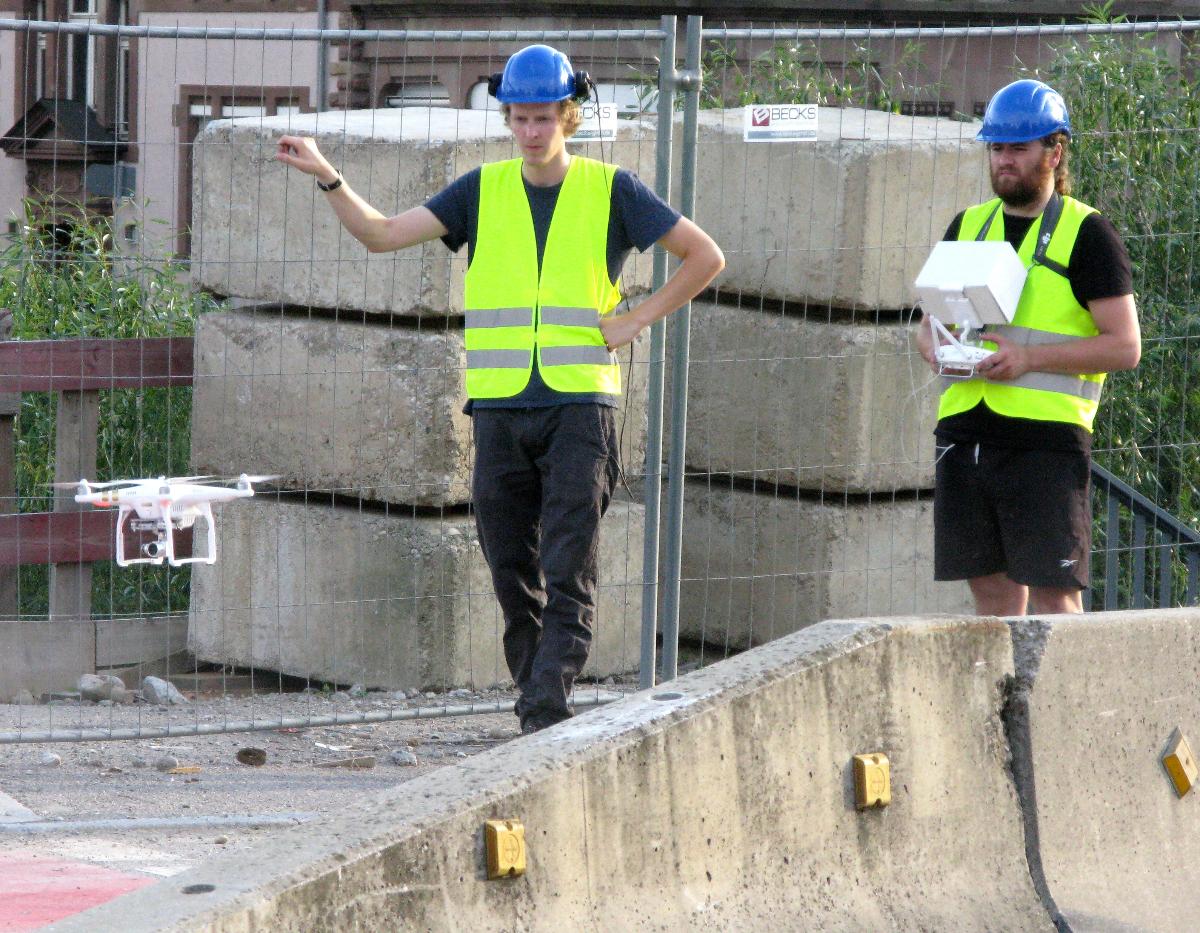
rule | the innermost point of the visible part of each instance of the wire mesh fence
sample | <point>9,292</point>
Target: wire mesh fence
<point>148,204</point>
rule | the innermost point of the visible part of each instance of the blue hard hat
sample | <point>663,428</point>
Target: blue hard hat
<point>1022,112</point>
<point>537,74</point>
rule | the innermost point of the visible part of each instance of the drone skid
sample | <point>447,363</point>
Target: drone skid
<point>163,547</point>
<point>956,357</point>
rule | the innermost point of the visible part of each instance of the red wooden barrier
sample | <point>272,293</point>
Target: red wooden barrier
<point>70,538</point>
<point>76,365</point>
<point>67,536</point>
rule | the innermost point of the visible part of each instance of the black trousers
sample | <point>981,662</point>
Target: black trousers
<point>543,479</point>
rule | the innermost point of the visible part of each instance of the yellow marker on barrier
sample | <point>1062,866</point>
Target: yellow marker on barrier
<point>872,781</point>
<point>1180,763</point>
<point>505,843</point>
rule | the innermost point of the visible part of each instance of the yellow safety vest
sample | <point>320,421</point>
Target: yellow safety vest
<point>511,312</point>
<point>1046,313</point>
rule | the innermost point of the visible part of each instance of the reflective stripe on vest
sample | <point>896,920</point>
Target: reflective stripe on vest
<point>1046,313</point>
<point>1046,382</point>
<point>512,312</point>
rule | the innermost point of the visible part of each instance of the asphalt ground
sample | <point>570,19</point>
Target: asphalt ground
<point>102,817</point>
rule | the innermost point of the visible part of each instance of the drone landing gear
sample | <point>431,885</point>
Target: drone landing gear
<point>162,547</point>
<point>956,356</point>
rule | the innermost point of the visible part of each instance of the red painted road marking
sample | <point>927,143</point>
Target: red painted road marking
<point>35,891</point>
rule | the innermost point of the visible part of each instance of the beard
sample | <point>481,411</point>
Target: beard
<point>1022,190</point>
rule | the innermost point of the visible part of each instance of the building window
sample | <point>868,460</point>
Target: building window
<point>927,108</point>
<point>123,76</point>
<point>39,54</point>
<point>419,93</point>
<point>81,55</point>
<point>632,100</point>
<point>202,109</point>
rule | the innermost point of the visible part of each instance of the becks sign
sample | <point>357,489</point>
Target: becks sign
<point>777,123</point>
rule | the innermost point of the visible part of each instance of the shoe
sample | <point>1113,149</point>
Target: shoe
<point>535,723</point>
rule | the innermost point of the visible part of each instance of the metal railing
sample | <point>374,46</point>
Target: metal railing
<point>1154,543</point>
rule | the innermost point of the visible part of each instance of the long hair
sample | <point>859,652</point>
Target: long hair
<point>1062,173</point>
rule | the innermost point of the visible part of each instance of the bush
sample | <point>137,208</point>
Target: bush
<point>795,73</point>
<point>61,279</point>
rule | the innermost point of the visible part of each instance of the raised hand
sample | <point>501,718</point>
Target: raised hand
<point>301,152</point>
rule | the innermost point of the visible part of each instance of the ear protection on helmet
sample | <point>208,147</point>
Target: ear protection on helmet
<point>583,86</point>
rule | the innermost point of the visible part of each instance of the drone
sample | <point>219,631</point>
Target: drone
<point>163,506</point>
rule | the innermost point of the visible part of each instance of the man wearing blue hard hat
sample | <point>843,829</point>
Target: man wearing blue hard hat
<point>546,236</point>
<point>1011,503</point>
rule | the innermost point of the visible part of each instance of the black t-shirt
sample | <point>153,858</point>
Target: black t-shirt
<point>638,218</point>
<point>1099,267</point>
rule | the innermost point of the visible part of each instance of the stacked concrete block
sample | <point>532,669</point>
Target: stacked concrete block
<point>343,373</point>
<point>264,232</point>
<point>844,221</point>
<point>809,411</point>
<point>760,562</point>
<point>383,598</point>
<point>369,410</point>
<point>822,406</point>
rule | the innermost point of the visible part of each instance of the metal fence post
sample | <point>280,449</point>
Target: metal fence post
<point>322,59</point>
<point>689,81</point>
<point>662,186</point>
<point>10,408</point>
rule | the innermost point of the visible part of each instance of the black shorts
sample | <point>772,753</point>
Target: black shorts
<point>1024,513</point>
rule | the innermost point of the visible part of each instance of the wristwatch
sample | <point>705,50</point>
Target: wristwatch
<point>332,186</point>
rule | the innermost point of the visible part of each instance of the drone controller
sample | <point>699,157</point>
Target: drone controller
<point>974,285</point>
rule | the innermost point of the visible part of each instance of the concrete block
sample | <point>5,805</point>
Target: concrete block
<point>385,599</point>
<point>760,563</point>
<point>367,410</point>
<point>834,407</point>
<point>845,220</point>
<point>263,231</point>
<point>723,803</point>
<point>43,656</point>
<point>1096,699</point>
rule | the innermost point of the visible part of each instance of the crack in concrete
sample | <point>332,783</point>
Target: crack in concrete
<point>1029,638</point>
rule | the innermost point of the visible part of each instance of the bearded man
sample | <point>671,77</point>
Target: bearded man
<point>1012,511</point>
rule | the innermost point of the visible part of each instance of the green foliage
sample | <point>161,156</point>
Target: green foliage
<point>796,73</point>
<point>1136,156</point>
<point>61,279</point>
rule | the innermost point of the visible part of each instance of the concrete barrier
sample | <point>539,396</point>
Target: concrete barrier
<point>386,600</point>
<point>721,802</point>
<point>1027,795</point>
<point>760,562</point>
<point>1097,699</point>
<point>264,232</point>
<point>845,220</point>
<point>783,400</point>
